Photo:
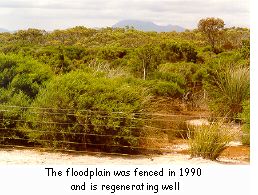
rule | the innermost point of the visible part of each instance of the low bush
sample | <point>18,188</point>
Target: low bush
<point>22,74</point>
<point>12,115</point>
<point>21,79</point>
<point>170,77</point>
<point>185,74</point>
<point>88,111</point>
<point>165,88</point>
<point>158,87</point>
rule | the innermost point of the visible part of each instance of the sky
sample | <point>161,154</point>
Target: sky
<point>61,14</point>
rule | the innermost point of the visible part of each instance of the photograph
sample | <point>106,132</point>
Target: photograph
<point>119,82</point>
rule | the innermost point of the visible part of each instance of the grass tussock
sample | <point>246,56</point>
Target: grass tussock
<point>230,90</point>
<point>208,141</point>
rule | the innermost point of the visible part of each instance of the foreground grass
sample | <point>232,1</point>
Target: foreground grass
<point>209,141</point>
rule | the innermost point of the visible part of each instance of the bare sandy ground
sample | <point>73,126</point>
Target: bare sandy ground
<point>31,156</point>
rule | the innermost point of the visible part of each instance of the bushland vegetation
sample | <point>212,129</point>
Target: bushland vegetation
<point>75,88</point>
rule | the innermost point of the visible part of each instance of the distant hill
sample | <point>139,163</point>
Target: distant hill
<point>147,26</point>
<point>3,30</point>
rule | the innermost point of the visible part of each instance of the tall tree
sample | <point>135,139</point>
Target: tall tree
<point>211,28</point>
<point>149,55</point>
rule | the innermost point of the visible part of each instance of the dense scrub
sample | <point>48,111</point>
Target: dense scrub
<point>80,88</point>
<point>21,79</point>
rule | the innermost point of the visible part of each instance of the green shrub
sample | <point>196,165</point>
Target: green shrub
<point>20,81</point>
<point>245,50</point>
<point>174,52</point>
<point>183,73</point>
<point>208,141</point>
<point>22,74</point>
<point>165,88</point>
<point>158,87</point>
<point>11,116</point>
<point>93,112</point>
<point>171,77</point>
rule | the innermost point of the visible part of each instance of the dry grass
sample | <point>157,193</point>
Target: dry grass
<point>209,141</point>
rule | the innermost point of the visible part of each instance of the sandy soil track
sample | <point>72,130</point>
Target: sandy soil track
<point>31,156</point>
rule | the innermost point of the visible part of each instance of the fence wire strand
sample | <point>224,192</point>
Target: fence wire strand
<point>150,121</point>
<point>75,111</point>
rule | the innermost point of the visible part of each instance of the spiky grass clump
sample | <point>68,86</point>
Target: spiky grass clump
<point>208,141</point>
<point>229,90</point>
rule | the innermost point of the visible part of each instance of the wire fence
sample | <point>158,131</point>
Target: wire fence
<point>72,112</point>
<point>102,132</point>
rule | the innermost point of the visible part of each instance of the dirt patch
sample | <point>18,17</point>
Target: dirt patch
<point>36,157</point>
<point>177,153</point>
<point>241,153</point>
